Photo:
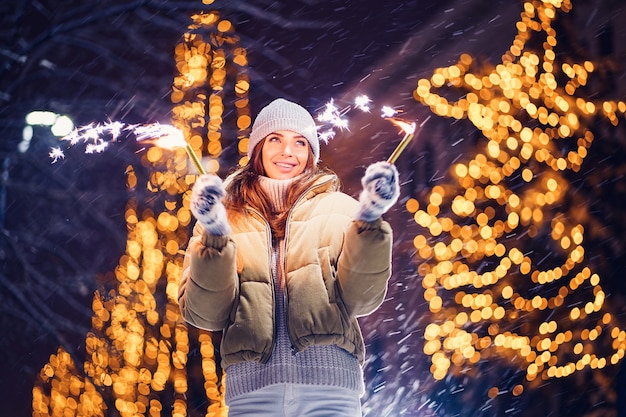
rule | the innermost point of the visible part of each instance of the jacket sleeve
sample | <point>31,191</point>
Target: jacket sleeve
<point>364,266</point>
<point>209,283</point>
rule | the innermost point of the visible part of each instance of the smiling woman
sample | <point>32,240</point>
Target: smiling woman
<point>283,263</point>
<point>287,134</point>
<point>285,154</point>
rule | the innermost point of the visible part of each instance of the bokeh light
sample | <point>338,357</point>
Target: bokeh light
<point>476,268</point>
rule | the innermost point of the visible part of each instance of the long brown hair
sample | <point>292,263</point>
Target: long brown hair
<point>244,190</point>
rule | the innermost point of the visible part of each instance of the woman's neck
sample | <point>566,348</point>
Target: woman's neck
<point>277,191</point>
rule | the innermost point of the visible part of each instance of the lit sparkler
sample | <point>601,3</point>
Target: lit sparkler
<point>333,116</point>
<point>389,113</point>
<point>97,137</point>
<point>409,132</point>
<point>168,137</point>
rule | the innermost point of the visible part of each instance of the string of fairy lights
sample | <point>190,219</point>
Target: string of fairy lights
<point>202,66</point>
<point>138,351</point>
<point>472,221</point>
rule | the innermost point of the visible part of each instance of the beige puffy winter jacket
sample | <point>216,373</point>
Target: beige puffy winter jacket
<point>336,270</point>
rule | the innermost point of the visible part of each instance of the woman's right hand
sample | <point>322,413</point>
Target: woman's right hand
<point>206,204</point>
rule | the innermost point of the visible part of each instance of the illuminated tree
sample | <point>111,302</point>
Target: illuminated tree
<point>138,352</point>
<point>503,258</point>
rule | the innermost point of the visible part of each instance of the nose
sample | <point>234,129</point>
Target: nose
<point>287,149</point>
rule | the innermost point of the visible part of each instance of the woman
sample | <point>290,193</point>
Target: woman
<point>284,263</point>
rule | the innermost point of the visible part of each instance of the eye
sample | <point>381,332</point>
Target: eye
<point>301,142</point>
<point>273,138</point>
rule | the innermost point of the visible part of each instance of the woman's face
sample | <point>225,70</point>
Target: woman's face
<point>284,154</point>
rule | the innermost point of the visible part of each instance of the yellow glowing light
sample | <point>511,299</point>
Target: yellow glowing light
<point>523,81</point>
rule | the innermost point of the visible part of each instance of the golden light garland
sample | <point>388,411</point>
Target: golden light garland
<point>137,352</point>
<point>470,223</point>
<point>200,84</point>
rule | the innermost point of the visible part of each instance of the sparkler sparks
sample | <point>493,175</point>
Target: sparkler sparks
<point>388,112</point>
<point>163,136</point>
<point>97,137</point>
<point>333,116</point>
<point>56,153</point>
<point>362,103</point>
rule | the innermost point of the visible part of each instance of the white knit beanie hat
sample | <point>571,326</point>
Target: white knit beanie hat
<point>282,114</point>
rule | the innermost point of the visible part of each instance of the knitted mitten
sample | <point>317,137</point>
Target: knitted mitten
<point>207,207</point>
<point>381,190</point>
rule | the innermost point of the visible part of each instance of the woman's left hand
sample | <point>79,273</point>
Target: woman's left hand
<point>381,189</point>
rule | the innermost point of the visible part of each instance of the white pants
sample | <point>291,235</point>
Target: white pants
<point>296,400</point>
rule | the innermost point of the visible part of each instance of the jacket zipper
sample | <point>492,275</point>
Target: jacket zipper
<point>284,263</point>
<point>273,270</point>
<point>294,349</point>
<point>272,264</point>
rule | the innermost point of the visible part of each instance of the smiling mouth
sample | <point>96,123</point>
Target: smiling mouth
<point>284,165</point>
